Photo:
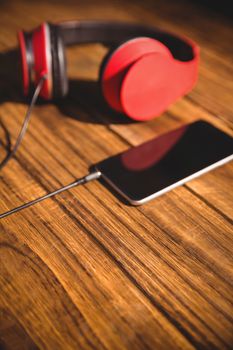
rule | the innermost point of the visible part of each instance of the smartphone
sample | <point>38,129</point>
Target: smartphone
<point>147,171</point>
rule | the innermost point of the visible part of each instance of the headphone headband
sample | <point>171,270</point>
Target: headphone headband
<point>111,33</point>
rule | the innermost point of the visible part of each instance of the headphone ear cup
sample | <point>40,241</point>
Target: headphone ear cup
<point>141,78</point>
<point>42,62</point>
<point>59,76</point>
<point>117,65</point>
<point>48,58</point>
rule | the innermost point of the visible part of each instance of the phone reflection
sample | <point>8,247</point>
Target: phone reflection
<point>151,152</point>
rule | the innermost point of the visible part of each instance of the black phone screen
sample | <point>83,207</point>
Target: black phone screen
<point>166,161</point>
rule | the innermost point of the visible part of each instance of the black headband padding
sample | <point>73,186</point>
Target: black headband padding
<point>60,81</point>
<point>111,33</point>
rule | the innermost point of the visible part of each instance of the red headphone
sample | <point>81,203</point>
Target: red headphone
<point>143,73</point>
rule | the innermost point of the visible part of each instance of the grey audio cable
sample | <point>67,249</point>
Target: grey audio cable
<point>24,127</point>
<point>90,177</point>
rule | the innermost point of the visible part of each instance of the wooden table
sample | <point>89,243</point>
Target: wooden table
<point>83,270</point>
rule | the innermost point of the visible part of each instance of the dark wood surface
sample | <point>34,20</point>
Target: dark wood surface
<point>83,270</point>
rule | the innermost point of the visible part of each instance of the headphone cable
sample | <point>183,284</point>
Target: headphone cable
<point>25,122</point>
<point>90,177</point>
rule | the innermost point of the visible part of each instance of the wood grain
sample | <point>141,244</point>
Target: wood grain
<point>84,270</point>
